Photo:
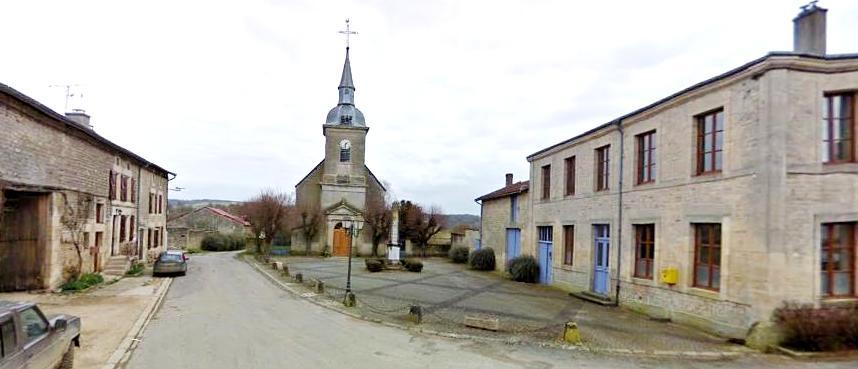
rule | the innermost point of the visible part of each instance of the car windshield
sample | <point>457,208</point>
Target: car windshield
<point>171,257</point>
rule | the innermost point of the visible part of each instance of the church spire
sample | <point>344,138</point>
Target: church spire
<point>345,113</point>
<point>346,80</point>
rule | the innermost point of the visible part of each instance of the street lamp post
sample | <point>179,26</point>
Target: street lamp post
<point>353,231</point>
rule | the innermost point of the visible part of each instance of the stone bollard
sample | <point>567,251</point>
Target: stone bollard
<point>277,265</point>
<point>299,277</point>
<point>350,300</point>
<point>320,286</point>
<point>415,314</point>
<point>571,333</point>
<point>285,270</point>
<point>487,323</point>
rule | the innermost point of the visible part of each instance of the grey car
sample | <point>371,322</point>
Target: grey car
<point>29,339</point>
<point>171,262</point>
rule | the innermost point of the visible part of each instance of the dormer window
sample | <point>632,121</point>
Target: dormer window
<point>345,151</point>
<point>346,119</point>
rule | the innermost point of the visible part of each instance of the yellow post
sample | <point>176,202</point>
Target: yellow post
<point>571,333</point>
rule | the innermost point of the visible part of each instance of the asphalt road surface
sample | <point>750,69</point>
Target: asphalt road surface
<point>224,314</point>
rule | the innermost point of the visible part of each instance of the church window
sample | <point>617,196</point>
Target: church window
<point>345,151</point>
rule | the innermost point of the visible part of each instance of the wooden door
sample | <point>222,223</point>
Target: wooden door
<point>23,247</point>
<point>341,242</point>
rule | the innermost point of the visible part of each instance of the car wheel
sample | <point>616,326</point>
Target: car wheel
<point>182,273</point>
<point>68,358</point>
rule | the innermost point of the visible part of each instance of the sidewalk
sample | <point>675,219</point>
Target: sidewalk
<point>448,292</point>
<point>107,314</point>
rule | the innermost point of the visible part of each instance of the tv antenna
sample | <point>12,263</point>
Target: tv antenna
<point>69,94</point>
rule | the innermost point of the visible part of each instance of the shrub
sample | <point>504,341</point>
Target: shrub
<point>482,259</point>
<point>220,242</point>
<point>413,265</point>
<point>192,251</point>
<point>524,268</point>
<point>83,282</point>
<point>818,329</point>
<point>135,270</point>
<point>459,255</point>
<point>374,265</point>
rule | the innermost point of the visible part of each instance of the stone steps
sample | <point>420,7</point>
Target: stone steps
<point>116,266</point>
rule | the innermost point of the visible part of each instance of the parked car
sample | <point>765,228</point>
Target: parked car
<point>171,262</point>
<point>29,339</point>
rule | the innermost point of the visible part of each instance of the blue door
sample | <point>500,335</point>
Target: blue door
<point>601,246</point>
<point>513,243</point>
<point>545,246</point>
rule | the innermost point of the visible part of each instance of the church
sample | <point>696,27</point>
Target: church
<point>341,185</point>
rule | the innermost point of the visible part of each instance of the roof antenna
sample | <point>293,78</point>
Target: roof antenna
<point>348,32</point>
<point>69,94</point>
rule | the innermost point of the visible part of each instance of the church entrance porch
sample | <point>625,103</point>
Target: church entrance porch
<point>341,241</point>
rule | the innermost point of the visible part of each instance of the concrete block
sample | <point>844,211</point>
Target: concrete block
<point>415,314</point>
<point>487,323</point>
<point>277,265</point>
<point>571,333</point>
<point>285,271</point>
<point>350,300</point>
<point>319,286</point>
<point>299,278</point>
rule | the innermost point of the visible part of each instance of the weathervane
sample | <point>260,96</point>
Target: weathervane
<point>348,32</point>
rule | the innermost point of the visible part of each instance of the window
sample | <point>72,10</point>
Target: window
<point>568,243</point>
<point>35,326</point>
<point>546,182</point>
<point>160,204</point>
<point>111,186</point>
<point>131,226</point>
<point>156,238</point>
<point>570,176</point>
<point>122,228</point>
<point>545,234</point>
<point>123,189</point>
<point>710,142</point>
<point>99,213</point>
<point>707,255</point>
<point>148,238</point>
<point>644,250</point>
<point>602,161</point>
<point>837,258</point>
<point>8,339</point>
<point>838,128</point>
<point>133,191</point>
<point>345,151</point>
<point>646,157</point>
<point>513,208</point>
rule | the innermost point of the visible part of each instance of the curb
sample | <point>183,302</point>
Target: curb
<point>122,353</point>
<point>652,353</point>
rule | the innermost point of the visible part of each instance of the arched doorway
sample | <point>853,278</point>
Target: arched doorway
<point>341,241</point>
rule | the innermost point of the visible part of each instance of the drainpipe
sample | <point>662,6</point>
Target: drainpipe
<point>619,124</point>
<point>481,221</point>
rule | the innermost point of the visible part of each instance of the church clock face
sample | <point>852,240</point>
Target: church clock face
<point>345,145</point>
<point>345,151</point>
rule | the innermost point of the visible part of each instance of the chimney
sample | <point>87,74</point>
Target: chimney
<point>809,30</point>
<point>508,179</point>
<point>80,117</point>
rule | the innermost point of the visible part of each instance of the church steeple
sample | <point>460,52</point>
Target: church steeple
<point>345,113</point>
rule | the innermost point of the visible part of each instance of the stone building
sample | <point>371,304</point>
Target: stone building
<point>504,220</point>
<point>64,184</point>
<point>341,186</point>
<point>716,204</point>
<point>188,230</point>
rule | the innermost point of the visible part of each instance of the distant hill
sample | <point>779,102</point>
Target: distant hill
<point>469,219</point>
<point>174,203</point>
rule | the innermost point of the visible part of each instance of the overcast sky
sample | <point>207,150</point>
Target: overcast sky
<point>232,95</point>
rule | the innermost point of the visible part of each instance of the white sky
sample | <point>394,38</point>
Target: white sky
<point>232,95</point>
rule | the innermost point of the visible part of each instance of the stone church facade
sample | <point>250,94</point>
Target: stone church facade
<point>714,205</point>
<point>341,185</point>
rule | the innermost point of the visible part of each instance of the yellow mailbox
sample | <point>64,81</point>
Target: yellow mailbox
<point>669,275</point>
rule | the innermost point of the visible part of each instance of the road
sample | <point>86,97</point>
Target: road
<point>224,314</point>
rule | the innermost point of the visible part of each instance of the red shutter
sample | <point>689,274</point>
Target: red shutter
<point>111,187</point>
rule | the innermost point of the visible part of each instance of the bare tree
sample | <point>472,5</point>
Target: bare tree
<point>420,225</point>
<point>267,213</point>
<point>74,218</point>
<point>310,224</point>
<point>377,217</point>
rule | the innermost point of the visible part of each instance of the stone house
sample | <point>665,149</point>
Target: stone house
<point>716,204</point>
<point>64,184</point>
<point>188,230</point>
<point>341,187</point>
<point>465,237</point>
<point>504,218</point>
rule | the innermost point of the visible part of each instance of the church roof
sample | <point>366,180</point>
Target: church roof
<point>345,113</point>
